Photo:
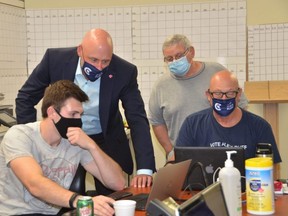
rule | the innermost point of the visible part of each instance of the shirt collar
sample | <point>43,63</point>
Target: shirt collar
<point>78,70</point>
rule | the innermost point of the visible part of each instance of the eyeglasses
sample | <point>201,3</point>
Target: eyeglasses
<point>219,95</point>
<point>178,56</point>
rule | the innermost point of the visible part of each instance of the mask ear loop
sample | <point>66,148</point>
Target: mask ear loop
<point>82,67</point>
<point>58,113</point>
<point>82,52</point>
<point>190,171</point>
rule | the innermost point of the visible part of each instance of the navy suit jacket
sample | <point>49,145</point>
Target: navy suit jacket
<point>119,82</point>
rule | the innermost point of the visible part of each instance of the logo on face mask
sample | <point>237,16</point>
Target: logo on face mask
<point>91,72</point>
<point>64,123</point>
<point>224,107</point>
<point>179,67</point>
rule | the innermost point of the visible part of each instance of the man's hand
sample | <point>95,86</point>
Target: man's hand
<point>77,136</point>
<point>170,156</point>
<point>103,206</point>
<point>141,181</point>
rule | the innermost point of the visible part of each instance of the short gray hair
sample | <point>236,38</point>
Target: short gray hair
<point>176,39</point>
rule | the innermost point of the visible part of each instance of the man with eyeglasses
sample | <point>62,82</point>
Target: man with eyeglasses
<point>225,124</point>
<point>179,93</point>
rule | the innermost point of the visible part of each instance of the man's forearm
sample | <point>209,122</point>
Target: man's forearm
<point>25,112</point>
<point>161,134</point>
<point>50,192</point>
<point>110,173</point>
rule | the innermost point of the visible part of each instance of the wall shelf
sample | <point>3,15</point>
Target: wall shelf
<point>270,94</point>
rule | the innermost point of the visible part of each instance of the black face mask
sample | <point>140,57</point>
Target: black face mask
<point>64,123</point>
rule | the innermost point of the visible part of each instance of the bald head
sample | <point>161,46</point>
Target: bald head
<point>223,81</point>
<point>97,39</point>
<point>96,48</point>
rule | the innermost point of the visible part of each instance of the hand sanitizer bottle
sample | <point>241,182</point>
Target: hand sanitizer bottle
<point>230,180</point>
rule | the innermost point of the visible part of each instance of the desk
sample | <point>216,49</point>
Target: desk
<point>281,202</point>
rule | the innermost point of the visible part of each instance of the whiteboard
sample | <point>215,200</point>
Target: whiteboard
<point>217,30</point>
<point>268,52</point>
<point>13,52</point>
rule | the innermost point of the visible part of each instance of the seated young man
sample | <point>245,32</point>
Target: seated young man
<point>38,160</point>
<point>225,124</point>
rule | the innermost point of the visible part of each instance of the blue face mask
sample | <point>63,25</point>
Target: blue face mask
<point>179,67</point>
<point>224,107</point>
<point>91,72</point>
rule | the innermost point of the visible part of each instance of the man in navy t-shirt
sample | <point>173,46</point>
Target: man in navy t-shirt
<point>225,124</point>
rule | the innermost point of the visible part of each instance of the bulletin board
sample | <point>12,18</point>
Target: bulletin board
<point>13,52</point>
<point>216,30</point>
<point>268,52</point>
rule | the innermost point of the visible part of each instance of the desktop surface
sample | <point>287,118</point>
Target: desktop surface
<point>280,202</point>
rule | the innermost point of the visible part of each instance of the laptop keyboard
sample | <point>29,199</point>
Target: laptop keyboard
<point>120,194</point>
<point>141,200</point>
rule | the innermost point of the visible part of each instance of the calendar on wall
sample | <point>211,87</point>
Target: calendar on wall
<point>217,31</point>
<point>268,52</point>
<point>13,52</point>
<point>65,28</point>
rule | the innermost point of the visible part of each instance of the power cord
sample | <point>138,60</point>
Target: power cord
<point>214,175</point>
<point>191,169</point>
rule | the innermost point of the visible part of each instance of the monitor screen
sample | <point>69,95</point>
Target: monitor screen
<point>211,160</point>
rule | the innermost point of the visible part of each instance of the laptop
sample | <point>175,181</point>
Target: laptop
<point>206,161</point>
<point>167,182</point>
<point>210,201</point>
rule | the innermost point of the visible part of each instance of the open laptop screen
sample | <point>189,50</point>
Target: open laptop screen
<point>211,158</point>
<point>168,181</point>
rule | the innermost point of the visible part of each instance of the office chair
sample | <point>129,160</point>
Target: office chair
<point>77,185</point>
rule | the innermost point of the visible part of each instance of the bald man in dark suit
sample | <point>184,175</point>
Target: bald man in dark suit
<point>106,79</point>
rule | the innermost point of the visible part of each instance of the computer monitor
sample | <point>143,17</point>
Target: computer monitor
<point>210,158</point>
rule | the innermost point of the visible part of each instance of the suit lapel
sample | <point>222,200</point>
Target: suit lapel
<point>106,88</point>
<point>70,65</point>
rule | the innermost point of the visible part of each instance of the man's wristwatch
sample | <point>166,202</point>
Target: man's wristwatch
<point>72,199</point>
